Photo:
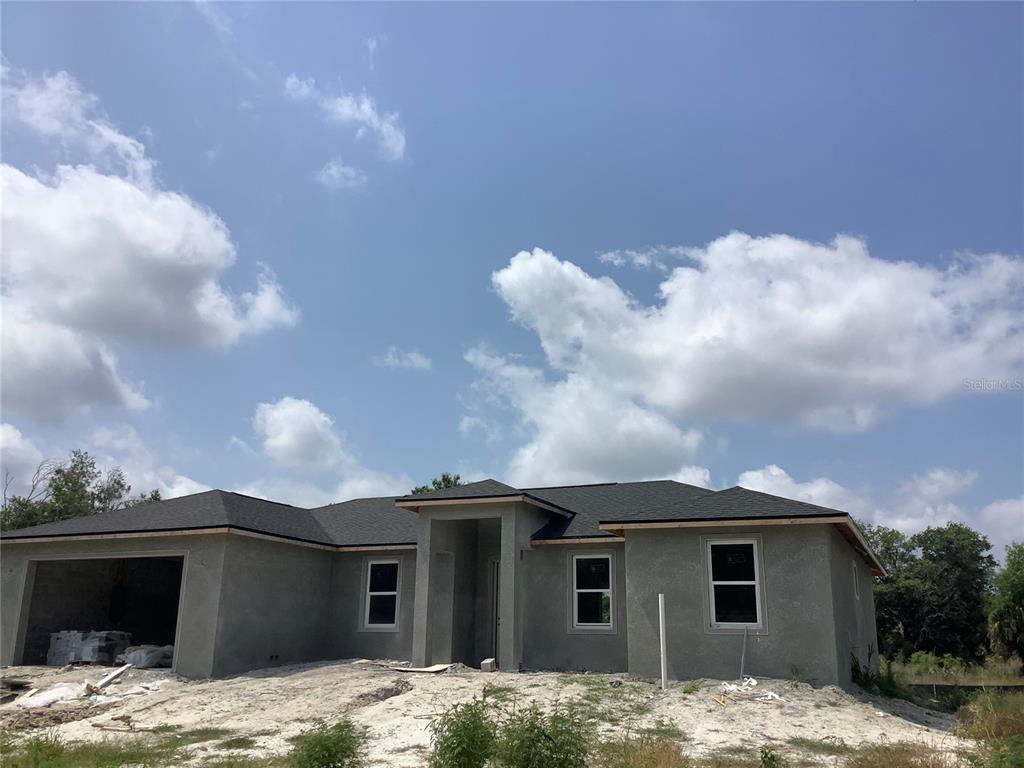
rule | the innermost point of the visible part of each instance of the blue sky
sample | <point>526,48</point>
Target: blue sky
<point>366,174</point>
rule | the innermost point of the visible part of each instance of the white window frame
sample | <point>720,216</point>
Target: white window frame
<point>576,623</point>
<point>368,594</point>
<point>756,583</point>
<point>856,579</point>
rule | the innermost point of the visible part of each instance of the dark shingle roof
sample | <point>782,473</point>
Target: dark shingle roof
<point>592,504</point>
<point>733,503</point>
<point>209,509</point>
<point>377,521</point>
<point>480,489</point>
<point>367,522</point>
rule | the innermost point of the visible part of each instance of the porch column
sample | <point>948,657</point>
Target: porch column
<point>508,636</point>
<point>421,611</point>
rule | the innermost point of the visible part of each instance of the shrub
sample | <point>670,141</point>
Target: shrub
<point>770,758</point>
<point>641,752</point>
<point>463,736</point>
<point>341,745</point>
<point>529,739</point>
<point>992,716</point>
<point>883,683</point>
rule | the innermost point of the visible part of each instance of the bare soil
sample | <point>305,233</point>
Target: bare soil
<point>272,705</point>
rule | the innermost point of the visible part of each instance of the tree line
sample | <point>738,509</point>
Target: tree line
<point>61,490</point>
<point>944,594</point>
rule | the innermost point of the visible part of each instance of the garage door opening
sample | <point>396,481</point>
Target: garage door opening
<point>139,595</point>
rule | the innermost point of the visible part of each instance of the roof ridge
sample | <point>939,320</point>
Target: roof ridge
<point>786,498</point>
<point>578,485</point>
<point>255,498</point>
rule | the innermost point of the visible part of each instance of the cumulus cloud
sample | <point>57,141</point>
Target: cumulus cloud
<point>358,111</point>
<point>400,358</point>
<point>652,257</point>
<point>300,438</point>
<point>121,446</point>
<point>336,175</point>
<point>778,329</point>
<point>99,254</point>
<point>579,432</point>
<point>19,459</point>
<point>923,501</point>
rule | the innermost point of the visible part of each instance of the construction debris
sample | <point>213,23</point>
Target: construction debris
<point>745,689</point>
<point>148,656</point>
<point>431,670</point>
<point>97,647</point>
<point>488,665</point>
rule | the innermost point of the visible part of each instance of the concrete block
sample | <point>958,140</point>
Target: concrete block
<point>488,665</point>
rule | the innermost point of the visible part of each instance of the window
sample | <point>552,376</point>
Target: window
<point>592,591</point>
<point>733,572</point>
<point>856,581</point>
<point>381,594</point>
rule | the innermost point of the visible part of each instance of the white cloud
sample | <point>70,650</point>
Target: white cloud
<point>298,437</point>
<point>347,108</point>
<point>778,329</point>
<point>372,43</point>
<point>122,447</point>
<point>19,459</point>
<point>579,433</point>
<point>336,175</point>
<point>470,424</point>
<point>922,501</point>
<point>693,475</point>
<point>93,258</point>
<point>820,490</point>
<point>51,372</point>
<point>400,358</point>
<point>652,257</point>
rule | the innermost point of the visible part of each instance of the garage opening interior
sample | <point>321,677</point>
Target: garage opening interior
<point>139,595</point>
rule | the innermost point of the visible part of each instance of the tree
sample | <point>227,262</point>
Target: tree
<point>61,491</point>
<point>446,480</point>
<point>933,596</point>
<point>956,573</point>
<point>1006,616</point>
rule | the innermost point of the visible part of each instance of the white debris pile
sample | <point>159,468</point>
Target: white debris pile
<point>69,691</point>
<point>747,687</point>
<point>148,656</point>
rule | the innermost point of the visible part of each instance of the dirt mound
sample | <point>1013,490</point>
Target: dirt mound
<point>27,719</point>
<point>389,691</point>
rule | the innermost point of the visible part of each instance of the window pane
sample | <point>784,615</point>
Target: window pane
<point>593,608</point>
<point>593,573</point>
<point>382,609</point>
<point>736,604</point>
<point>732,562</point>
<point>384,577</point>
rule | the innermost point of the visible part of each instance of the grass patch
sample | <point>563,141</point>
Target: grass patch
<point>902,755</point>
<point>177,738</point>
<point>830,745</point>
<point>498,693</point>
<point>610,700</point>
<point>928,669</point>
<point>238,742</point>
<point>990,716</point>
<point>691,687</point>
<point>660,730</point>
<point>642,752</point>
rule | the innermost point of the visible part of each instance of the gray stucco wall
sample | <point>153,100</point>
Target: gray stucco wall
<point>349,637</point>
<point>194,651</point>
<point>275,605</point>
<point>799,632</point>
<point>549,641</point>
<point>854,606</point>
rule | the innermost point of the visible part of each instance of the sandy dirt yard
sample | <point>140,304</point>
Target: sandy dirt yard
<point>274,704</point>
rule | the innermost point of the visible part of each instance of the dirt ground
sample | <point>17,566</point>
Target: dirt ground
<point>274,704</point>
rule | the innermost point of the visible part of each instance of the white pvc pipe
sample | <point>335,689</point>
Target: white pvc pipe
<point>661,631</point>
